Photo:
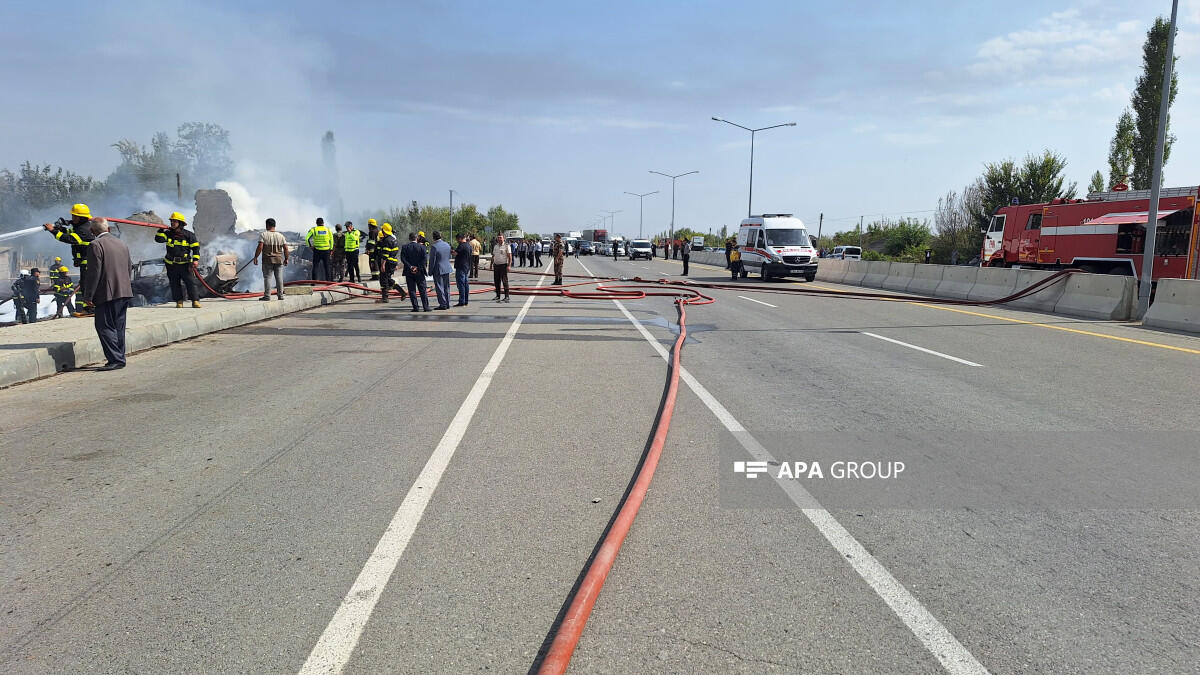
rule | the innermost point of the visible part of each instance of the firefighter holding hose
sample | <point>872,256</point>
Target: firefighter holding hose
<point>183,255</point>
<point>77,232</point>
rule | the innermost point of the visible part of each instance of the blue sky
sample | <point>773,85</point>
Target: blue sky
<point>554,109</point>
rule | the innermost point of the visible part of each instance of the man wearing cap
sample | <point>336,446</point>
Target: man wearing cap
<point>351,252</point>
<point>321,241</point>
<point>79,236</point>
<point>183,255</point>
<point>31,291</point>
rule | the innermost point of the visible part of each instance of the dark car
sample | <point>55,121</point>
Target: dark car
<point>586,248</point>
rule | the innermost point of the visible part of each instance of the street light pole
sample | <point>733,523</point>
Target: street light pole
<point>1156,171</point>
<point>613,216</point>
<point>451,215</point>
<point>640,198</point>
<point>750,198</point>
<point>680,175</point>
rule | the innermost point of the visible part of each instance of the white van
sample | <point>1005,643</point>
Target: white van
<point>776,245</point>
<point>846,253</point>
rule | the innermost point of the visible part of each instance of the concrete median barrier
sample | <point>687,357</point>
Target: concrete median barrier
<point>831,271</point>
<point>956,282</point>
<point>855,271</point>
<point>992,283</point>
<point>876,274</point>
<point>925,279</point>
<point>1176,306</point>
<point>1045,298</point>
<point>1098,296</point>
<point>899,276</point>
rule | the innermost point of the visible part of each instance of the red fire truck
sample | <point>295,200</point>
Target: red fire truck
<point>1105,234</point>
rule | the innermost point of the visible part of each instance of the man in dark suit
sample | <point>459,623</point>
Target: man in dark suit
<point>412,257</point>
<point>440,268</point>
<point>108,290</point>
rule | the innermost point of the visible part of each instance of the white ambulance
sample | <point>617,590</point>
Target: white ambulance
<point>776,245</point>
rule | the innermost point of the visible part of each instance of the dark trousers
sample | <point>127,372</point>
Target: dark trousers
<point>475,267</point>
<point>385,279</point>
<point>558,272</point>
<point>500,276</point>
<point>441,287</point>
<point>110,328</point>
<point>181,277</point>
<point>416,286</point>
<point>19,308</point>
<point>539,258</point>
<point>60,303</point>
<point>81,291</point>
<point>321,262</point>
<point>521,257</point>
<point>464,286</point>
<point>373,263</point>
<point>616,252</point>
<point>339,265</point>
<point>31,307</point>
<point>686,257</point>
<point>352,273</point>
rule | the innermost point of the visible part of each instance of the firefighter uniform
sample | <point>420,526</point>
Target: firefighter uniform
<point>63,289</point>
<point>372,238</point>
<point>352,242</point>
<point>77,233</point>
<point>183,253</point>
<point>18,298</point>
<point>388,251</point>
<point>320,239</point>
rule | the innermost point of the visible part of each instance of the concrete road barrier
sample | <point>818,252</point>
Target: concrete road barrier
<point>1045,298</point>
<point>899,276</point>
<point>992,283</point>
<point>855,271</point>
<point>1176,306</point>
<point>926,279</point>
<point>831,271</point>
<point>1098,296</point>
<point>957,282</point>
<point>877,272</point>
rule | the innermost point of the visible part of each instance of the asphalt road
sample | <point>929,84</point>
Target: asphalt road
<point>394,492</point>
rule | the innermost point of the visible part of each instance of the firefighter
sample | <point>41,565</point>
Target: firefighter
<point>387,248</point>
<point>372,237</point>
<point>18,298</point>
<point>735,262</point>
<point>321,240</point>
<point>78,234</point>
<point>63,289</point>
<point>183,255</point>
<point>31,291</point>
<point>351,253</point>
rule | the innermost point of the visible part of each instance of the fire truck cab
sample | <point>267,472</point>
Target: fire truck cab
<point>1104,234</point>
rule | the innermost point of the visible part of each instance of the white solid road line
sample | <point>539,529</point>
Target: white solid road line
<point>954,657</point>
<point>922,349</point>
<point>758,301</point>
<point>336,645</point>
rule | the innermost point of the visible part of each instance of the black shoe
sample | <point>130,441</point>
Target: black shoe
<point>266,298</point>
<point>496,299</point>
<point>439,308</point>
<point>460,304</point>
<point>425,310</point>
<point>111,366</point>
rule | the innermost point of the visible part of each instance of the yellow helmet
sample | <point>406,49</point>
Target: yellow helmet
<point>420,234</point>
<point>81,210</point>
<point>387,228</point>
<point>63,269</point>
<point>371,221</point>
<point>178,216</point>
<point>57,259</point>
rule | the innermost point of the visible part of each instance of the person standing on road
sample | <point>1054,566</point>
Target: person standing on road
<point>577,247</point>
<point>462,269</point>
<point>728,252</point>
<point>274,251</point>
<point>735,263</point>
<point>685,253</point>
<point>183,255</point>
<point>413,257</point>
<point>476,250</point>
<point>616,251</point>
<point>18,298</point>
<point>387,249</point>
<point>339,253</point>
<point>109,291</point>
<point>653,250</point>
<point>63,290</point>
<point>321,240</point>
<point>441,268</point>
<point>556,254</point>
<point>537,252</point>
<point>31,291</point>
<point>501,259</point>
<point>372,239</point>
<point>352,243</point>
<point>79,236</point>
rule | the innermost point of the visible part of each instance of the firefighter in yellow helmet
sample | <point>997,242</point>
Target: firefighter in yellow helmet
<point>372,238</point>
<point>63,289</point>
<point>388,251</point>
<point>183,255</point>
<point>78,233</point>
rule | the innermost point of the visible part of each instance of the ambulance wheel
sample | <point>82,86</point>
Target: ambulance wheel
<point>810,277</point>
<point>762,272</point>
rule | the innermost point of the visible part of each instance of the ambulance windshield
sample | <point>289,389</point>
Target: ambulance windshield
<point>797,237</point>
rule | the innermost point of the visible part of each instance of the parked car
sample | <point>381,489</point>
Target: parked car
<point>586,248</point>
<point>846,253</point>
<point>640,248</point>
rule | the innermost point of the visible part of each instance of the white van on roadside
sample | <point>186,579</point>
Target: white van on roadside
<point>846,253</point>
<point>776,245</point>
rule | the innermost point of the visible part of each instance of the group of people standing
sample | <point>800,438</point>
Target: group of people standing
<point>526,252</point>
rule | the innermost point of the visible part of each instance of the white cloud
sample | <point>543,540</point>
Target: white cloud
<point>865,128</point>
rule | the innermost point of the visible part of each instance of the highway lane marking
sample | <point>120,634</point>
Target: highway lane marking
<point>922,349</point>
<point>758,301</point>
<point>953,656</point>
<point>336,645</point>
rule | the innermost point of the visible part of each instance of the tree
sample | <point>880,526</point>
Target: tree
<point>1147,97</point>
<point>1097,184</point>
<point>1120,150</point>
<point>1037,180</point>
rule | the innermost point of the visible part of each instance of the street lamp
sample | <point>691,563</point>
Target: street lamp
<point>750,199</point>
<point>679,175</point>
<point>640,197</point>
<point>613,227</point>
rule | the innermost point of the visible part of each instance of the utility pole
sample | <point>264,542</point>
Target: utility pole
<point>451,215</point>
<point>1156,176</point>
<point>640,197</point>
<point>820,224</point>
<point>860,221</point>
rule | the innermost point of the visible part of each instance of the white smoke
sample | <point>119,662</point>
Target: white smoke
<point>163,208</point>
<point>259,193</point>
